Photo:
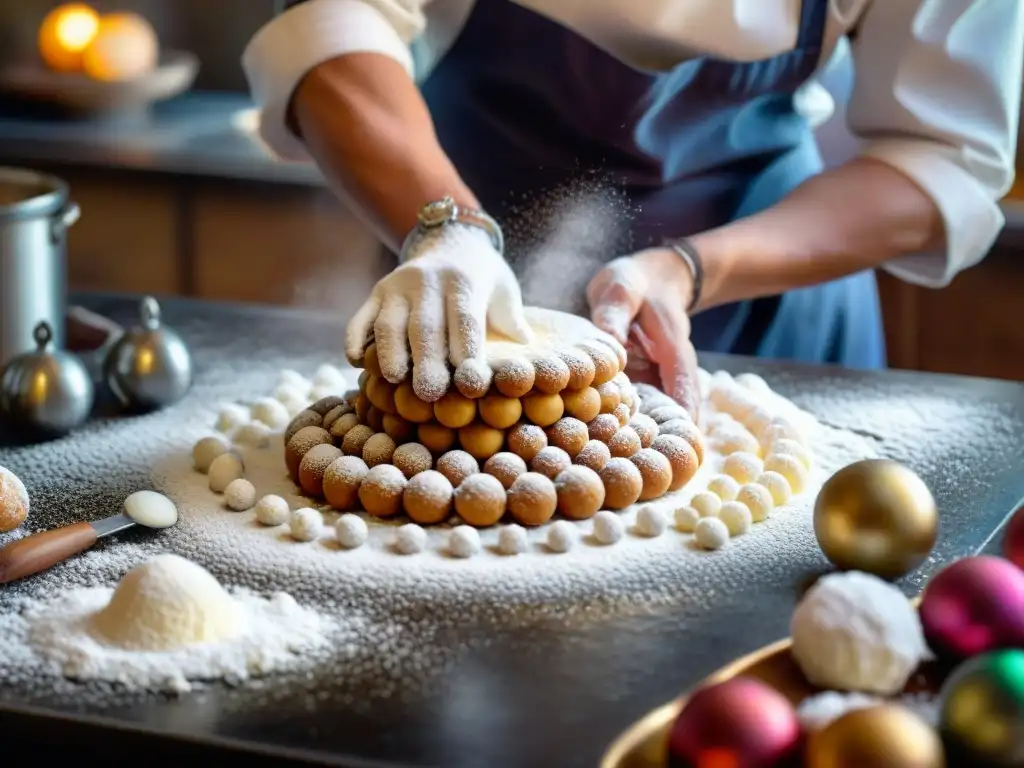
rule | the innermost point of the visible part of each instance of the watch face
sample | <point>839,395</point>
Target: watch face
<point>438,212</point>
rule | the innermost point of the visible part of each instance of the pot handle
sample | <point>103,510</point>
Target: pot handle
<point>63,221</point>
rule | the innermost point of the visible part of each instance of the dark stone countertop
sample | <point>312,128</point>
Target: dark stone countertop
<point>538,695</point>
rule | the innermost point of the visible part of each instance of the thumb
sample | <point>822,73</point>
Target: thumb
<point>505,313</point>
<point>616,306</point>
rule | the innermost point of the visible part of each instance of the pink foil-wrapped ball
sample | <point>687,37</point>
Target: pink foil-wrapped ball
<point>741,723</point>
<point>1013,543</point>
<point>973,606</point>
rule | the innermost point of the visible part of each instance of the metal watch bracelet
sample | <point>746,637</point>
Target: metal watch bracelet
<point>445,212</point>
<point>691,257</point>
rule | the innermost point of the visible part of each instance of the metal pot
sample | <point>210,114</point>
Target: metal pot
<point>35,214</point>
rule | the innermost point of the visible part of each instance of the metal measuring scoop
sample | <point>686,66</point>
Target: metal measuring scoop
<point>40,551</point>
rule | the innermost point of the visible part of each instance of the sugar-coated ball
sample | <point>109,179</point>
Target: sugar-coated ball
<point>206,450</point>
<point>412,458</point>
<point>686,519</point>
<point>790,467</point>
<point>580,492</point>
<point>314,466</point>
<point>457,466</point>
<point>624,443</point>
<point>480,500</point>
<point>272,510</point>
<point>724,487</point>
<point>240,495</point>
<point>777,485</point>
<point>689,432</point>
<point>608,527</point>
<point>656,472</point>
<point>224,469</point>
<point>255,434</point>
<point>351,531</point>
<point>232,416</point>
<point>532,499</point>
<point>569,434</point>
<point>603,427</point>
<point>305,524</point>
<point>526,441</point>
<point>595,455</point>
<point>706,503</point>
<point>623,483</point>
<point>736,516</point>
<point>681,457</point>
<point>512,540</point>
<point>710,533</point>
<point>355,439</point>
<point>645,427</point>
<point>651,521</point>
<point>463,541</point>
<point>427,498</point>
<point>785,446</point>
<point>758,500</point>
<point>381,490</point>
<point>304,418</point>
<point>410,539</point>
<point>505,467</point>
<point>341,481</point>
<point>583,404</point>
<point>561,536</point>
<point>743,467</point>
<point>550,462</point>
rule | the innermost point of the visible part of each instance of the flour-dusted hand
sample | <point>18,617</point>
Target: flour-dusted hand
<point>436,307</point>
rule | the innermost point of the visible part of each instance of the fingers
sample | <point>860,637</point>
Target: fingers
<point>617,304</point>
<point>391,334</point>
<point>669,334</point>
<point>505,313</point>
<point>358,332</point>
<point>467,320</point>
<point>428,342</point>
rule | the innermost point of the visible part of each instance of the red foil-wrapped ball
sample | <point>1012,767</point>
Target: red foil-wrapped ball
<point>741,723</point>
<point>973,606</point>
<point>1013,543</point>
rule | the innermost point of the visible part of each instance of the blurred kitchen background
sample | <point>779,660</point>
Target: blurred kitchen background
<point>178,198</point>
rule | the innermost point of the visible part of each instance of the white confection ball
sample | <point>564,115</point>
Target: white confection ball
<point>686,519</point>
<point>706,503</point>
<point>232,416</point>
<point>782,429</point>
<point>786,447</point>
<point>703,381</point>
<point>410,539</point>
<point>737,517</point>
<point>758,420</point>
<point>224,469</point>
<point>608,527</point>
<point>206,450</point>
<point>724,487</point>
<point>561,536</point>
<point>351,531</point>
<point>758,500</point>
<point>743,467</point>
<point>255,434</point>
<point>512,540</point>
<point>293,399</point>
<point>330,377</point>
<point>305,524</point>
<point>463,541</point>
<point>855,632</point>
<point>290,378</point>
<point>818,712</point>
<point>271,412</point>
<point>651,521</point>
<point>753,382</point>
<point>710,533</point>
<point>732,439</point>
<point>791,468</point>
<point>716,421</point>
<point>272,510</point>
<point>240,495</point>
<point>778,487</point>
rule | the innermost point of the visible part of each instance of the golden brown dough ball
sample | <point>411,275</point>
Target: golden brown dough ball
<point>362,406</point>
<point>375,418</point>
<point>303,419</point>
<point>645,427</point>
<point>514,377</point>
<point>354,440</point>
<point>681,457</point>
<point>473,378</point>
<point>624,443</point>
<point>543,410</point>
<point>550,462</point>
<point>437,438</point>
<point>595,455</point>
<point>427,499</point>
<point>313,466</point>
<point>381,394</point>
<point>610,396</point>
<point>380,493</point>
<point>623,483</point>
<point>300,444</point>
<point>480,500</point>
<point>499,411</point>
<point>370,363</point>
<point>526,440</point>
<point>336,413</point>
<point>457,466</point>
<point>398,429</point>
<point>506,467</point>
<point>410,407</point>
<point>412,458</point>
<point>325,404</point>
<point>551,374</point>
<point>14,501</point>
<point>454,410</point>
<point>378,449</point>
<point>623,414</point>
<point>583,404</point>
<point>342,479</point>
<point>481,441</point>
<point>569,434</point>
<point>688,431</point>
<point>603,427</point>
<point>656,472</point>
<point>532,499</point>
<point>580,492</point>
<point>606,363</point>
<point>581,370</point>
<point>342,425</point>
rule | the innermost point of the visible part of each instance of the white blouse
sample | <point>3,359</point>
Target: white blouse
<point>937,91</point>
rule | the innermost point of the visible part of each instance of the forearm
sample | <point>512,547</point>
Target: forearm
<point>844,221</point>
<point>365,123</point>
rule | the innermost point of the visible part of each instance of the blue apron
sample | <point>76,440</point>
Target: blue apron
<point>535,118</point>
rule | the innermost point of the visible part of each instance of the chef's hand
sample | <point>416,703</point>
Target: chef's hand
<point>436,307</point>
<point>641,300</point>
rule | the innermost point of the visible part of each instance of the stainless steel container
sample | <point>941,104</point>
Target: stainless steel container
<point>35,213</point>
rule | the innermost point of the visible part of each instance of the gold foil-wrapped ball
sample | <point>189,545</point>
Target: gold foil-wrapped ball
<point>876,516</point>
<point>885,736</point>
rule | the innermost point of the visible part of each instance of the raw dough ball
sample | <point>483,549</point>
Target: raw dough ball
<point>561,536</point>
<point>500,412</point>
<point>782,429</point>
<point>351,531</point>
<point>480,500</point>
<point>506,467</point>
<point>397,428</point>
<point>341,482</point>
<point>687,519</point>
<point>790,467</point>
<point>532,499</point>
<point>454,410</point>
<point>481,441</point>
<point>314,465</point>
<point>302,419</point>
<point>473,378</point>
<point>610,396</point>
<point>206,450</point>
<point>271,412</point>
<point>410,539</point>
<point>342,426</point>
<point>224,469</point>
<point>655,471</point>
<point>645,427</point>
<point>428,498</point>
<point>651,521</point>
<point>378,449</point>
<point>581,370</point>
<point>595,455</point>
<point>778,487</point>
<point>240,495</point>
<point>582,404</point>
<point>543,409</point>
<point>305,524</point>
<point>512,540</point>
<point>623,414</point>
<point>514,377</point>
<point>608,527</point>
<point>381,490</point>
<point>580,492</point>
<point>603,427</point>
<point>736,516</point>
<point>526,441</point>
<point>457,466</point>
<point>231,417</point>
<point>436,437</point>
<point>463,541</point>
<point>724,487</point>
<point>550,462</point>
<point>569,434</point>
<point>623,483</point>
<point>14,501</point>
<point>381,394</point>
<point>410,407</point>
<point>412,458</point>
<point>743,467</point>
<point>272,510</point>
<point>710,533</point>
<point>855,632</point>
<point>730,439</point>
<point>687,430</point>
<point>787,447</point>
<point>758,500</point>
<point>255,434</point>
<point>551,374</point>
<point>624,443</point>
<point>681,457</point>
<point>706,503</point>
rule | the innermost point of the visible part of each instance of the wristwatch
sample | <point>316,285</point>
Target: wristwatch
<point>446,212</point>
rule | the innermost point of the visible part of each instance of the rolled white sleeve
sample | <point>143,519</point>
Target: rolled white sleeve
<point>310,33</point>
<point>937,96</point>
